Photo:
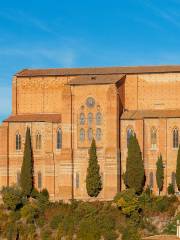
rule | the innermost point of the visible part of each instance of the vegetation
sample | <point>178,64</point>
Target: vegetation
<point>134,176</point>
<point>160,173</point>
<point>171,190</point>
<point>93,178</point>
<point>178,170</point>
<point>129,215</point>
<point>26,177</point>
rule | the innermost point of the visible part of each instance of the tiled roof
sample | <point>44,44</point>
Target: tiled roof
<point>128,115</point>
<point>98,70</point>
<point>96,79</point>
<point>55,118</point>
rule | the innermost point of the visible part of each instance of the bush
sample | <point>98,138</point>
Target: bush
<point>45,193</point>
<point>161,204</point>
<point>29,212</point>
<point>12,197</point>
<point>128,202</point>
<point>171,190</point>
<point>34,193</point>
<point>55,221</point>
<point>130,233</point>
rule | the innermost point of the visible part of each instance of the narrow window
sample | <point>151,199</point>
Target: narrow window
<point>173,179</point>
<point>90,118</point>
<point>39,180</point>
<point>82,119</point>
<point>98,118</point>
<point>38,141</point>
<point>59,139</point>
<point>18,141</point>
<point>129,133</point>
<point>18,178</point>
<point>175,138</point>
<point>82,135</point>
<point>153,138</point>
<point>77,180</point>
<point>98,134</point>
<point>90,134</point>
<point>151,180</point>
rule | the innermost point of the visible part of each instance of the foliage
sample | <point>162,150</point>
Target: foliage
<point>12,197</point>
<point>26,177</point>
<point>178,169</point>
<point>128,202</point>
<point>171,190</point>
<point>160,173</point>
<point>134,177</point>
<point>130,233</point>
<point>29,212</point>
<point>93,178</point>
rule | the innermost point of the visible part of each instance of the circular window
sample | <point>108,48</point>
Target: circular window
<point>90,102</point>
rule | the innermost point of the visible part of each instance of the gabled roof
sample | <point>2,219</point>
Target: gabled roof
<point>142,114</point>
<point>96,79</point>
<point>54,118</point>
<point>97,70</point>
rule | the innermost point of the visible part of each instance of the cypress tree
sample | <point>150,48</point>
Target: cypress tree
<point>160,173</point>
<point>93,178</point>
<point>26,177</point>
<point>134,176</point>
<point>178,170</point>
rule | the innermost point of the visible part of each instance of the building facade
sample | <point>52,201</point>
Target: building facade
<point>66,108</point>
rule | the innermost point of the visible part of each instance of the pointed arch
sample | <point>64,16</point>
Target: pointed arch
<point>59,138</point>
<point>18,141</point>
<point>38,140</point>
<point>175,137</point>
<point>129,133</point>
<point>153,138</point>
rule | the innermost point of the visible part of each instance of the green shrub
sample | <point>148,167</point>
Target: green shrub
<point>55,221</point>
<point>161,204</point>
<point>34,193</point>
<point>171,190</point>
<point>46,234</point>
<point>88,230</point>
<point>128,202</point>
<point>29,213</point>
<point>45,193</point>
<point>12,197</point>
<point>130,233</point>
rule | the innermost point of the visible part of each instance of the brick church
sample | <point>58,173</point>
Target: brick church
<point>66,108</point>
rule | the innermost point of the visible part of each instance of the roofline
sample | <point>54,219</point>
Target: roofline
<point>146,69</point>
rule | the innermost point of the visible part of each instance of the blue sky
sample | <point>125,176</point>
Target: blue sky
<point>69,33</point>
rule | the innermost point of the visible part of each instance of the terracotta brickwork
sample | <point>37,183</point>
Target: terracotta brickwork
<point>83,103</point>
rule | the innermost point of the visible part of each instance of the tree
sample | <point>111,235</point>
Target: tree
<point>160,173</point>
<point>93,178</point>
<point>178,170</point>
<point>134,176</point>
<point>26,177</point>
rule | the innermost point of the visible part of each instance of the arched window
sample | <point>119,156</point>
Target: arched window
<point>59,138</point>
<point>90,134</point>
<point>98,118</point>
<point>82,135</point>
<point>82,119</point>
<point>39,180</point>
<point>77,180</point>
<point>90,118</point>
<point>38,141</point>
<point>151,180</point>
<point>153,138</point>
<point>18,176</point>
<point>98,134</point>
<point>173,179</point>
<point>18,141</point>
<point>129,133</point>
<point>175,138</point>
